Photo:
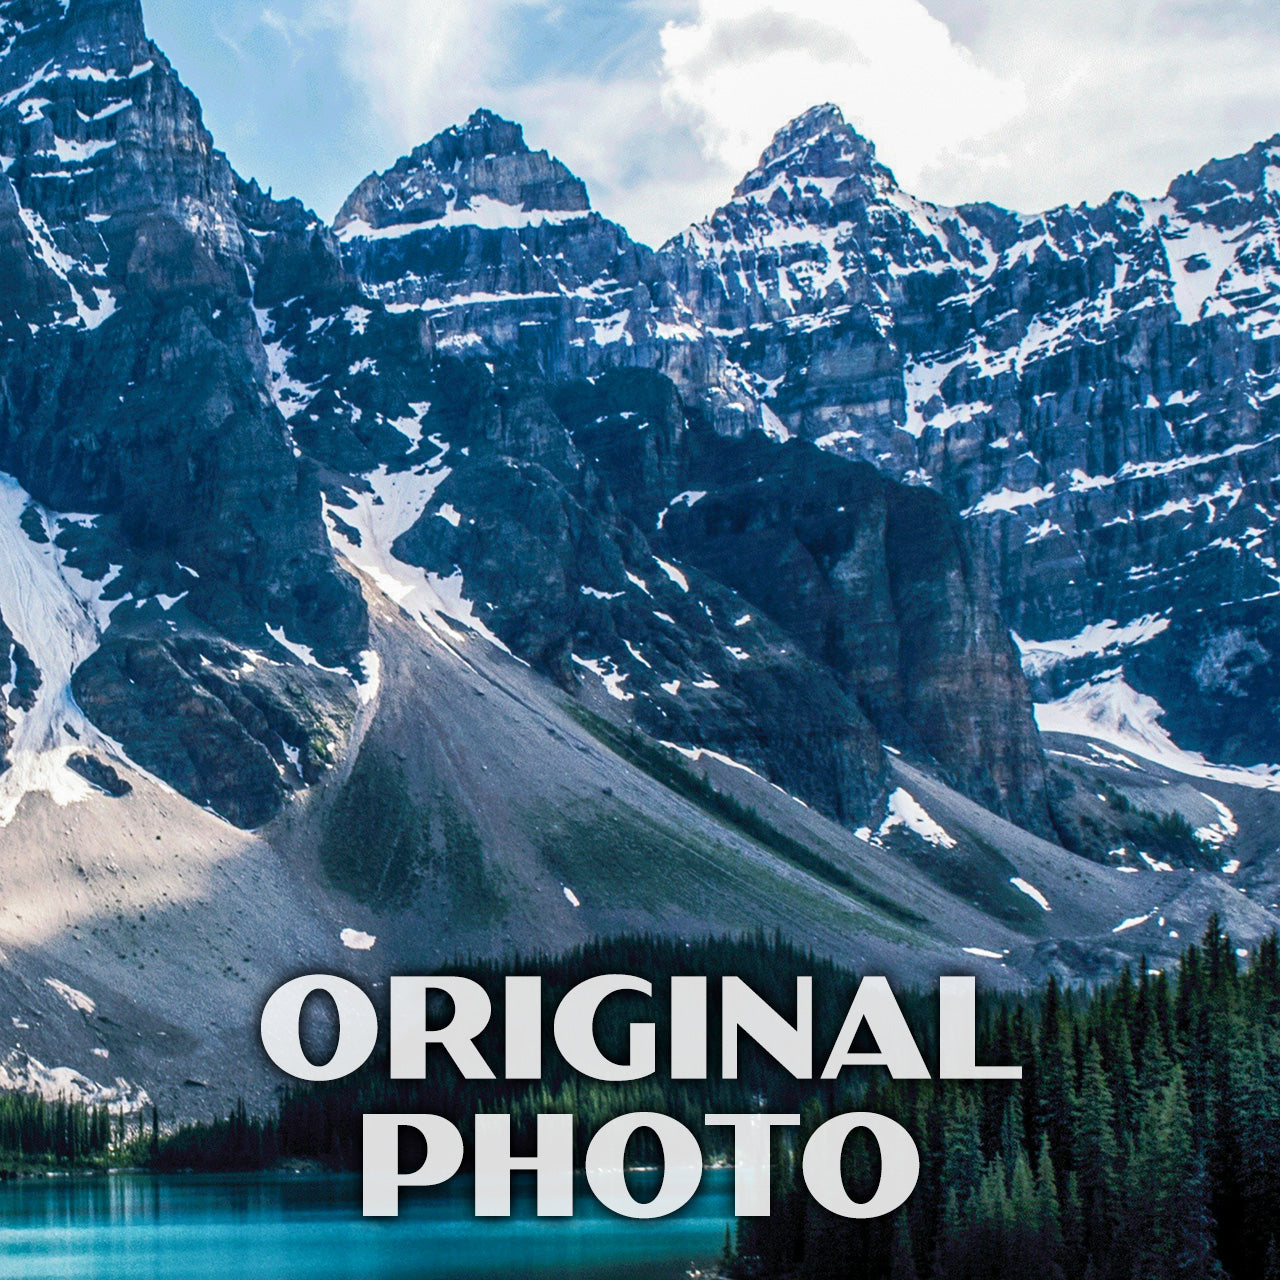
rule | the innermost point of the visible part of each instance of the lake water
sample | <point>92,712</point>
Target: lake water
<point>282,1227</point>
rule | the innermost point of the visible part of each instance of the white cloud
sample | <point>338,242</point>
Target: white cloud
<point>1119,96</point>
<point>423,63</point>
<point>642,168</point>
<point>742,68</point>
<point>1026,102</point>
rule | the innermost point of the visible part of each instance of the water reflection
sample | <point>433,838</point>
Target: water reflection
<point>126,1227</point>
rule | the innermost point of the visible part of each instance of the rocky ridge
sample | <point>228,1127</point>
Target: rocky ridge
<point>132,387</point>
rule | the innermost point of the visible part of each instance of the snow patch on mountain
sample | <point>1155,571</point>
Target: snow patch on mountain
<point>380,515</point>
<point>1109,709</point>
<point>1040,656</point>
<point>1218,833</point>
<point>76,1000</point>
<point>302,652</point>
<point>480,211</point>
<point>905,811</point>
<point>1133,922</point>
<point>58,616</point>
<point>606,671</point>
<point>1031,892</point>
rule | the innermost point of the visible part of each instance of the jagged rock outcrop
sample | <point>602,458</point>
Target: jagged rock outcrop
<point>1093,387</point>
<point>18,687</point>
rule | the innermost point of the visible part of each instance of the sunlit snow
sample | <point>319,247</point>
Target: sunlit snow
<point>1032,892</point>
<point>58,616</point>
<point>906,811</point>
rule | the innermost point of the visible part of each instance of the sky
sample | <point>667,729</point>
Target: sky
<point>663,105</point>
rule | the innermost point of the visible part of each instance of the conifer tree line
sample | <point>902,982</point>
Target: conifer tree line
<point>1143,1143</point>
<point>324,1123</point>
<point>34,1130</point>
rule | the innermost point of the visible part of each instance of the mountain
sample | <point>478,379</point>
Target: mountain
<point>467,578</point>
<point>615,433</point>
<point>1093,387</point>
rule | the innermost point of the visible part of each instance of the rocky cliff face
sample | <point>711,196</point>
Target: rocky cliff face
<point>490,248</point>
<point>132,387</point>
<point>765,601</point>
<point>1093,387</point>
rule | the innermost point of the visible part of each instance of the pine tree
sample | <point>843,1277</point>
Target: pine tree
<point>1012,1132</point>
<point>1052,1246</point>
<point>1021,1250</point>
<point>1095,1158</point>
<point>962,1164</point>
<point>949,1261</point>
<point>1055,1077</point>
<point>1175,1229</point>
<point>902,1264</point>
<point>1124,1079</point>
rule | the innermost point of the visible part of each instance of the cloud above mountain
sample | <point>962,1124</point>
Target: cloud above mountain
<point>1119,94</point>
<point>662,104</point>
<point>741,69</point>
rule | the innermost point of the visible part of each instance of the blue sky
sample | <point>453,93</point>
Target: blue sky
<point>662,105</point>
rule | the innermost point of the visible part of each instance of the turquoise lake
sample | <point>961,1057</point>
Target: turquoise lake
<point>282,1227</point>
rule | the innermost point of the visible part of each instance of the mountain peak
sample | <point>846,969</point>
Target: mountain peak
<point>485,160</point>
<point>1226,189</point>
<point>485,134</point>
<point>819,143</point>
<point>808,126</point>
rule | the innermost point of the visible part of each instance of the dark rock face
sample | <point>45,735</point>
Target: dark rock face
<point>879,582</point>
<point>876,581</point>
<point>233,736</point>
<point>1093,387</point>
<point>132,374</point>
<point>100,775</point>
<point>19,683</point>
<point>572,585</point>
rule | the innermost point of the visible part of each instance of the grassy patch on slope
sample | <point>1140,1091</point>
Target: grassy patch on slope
<point>666,767</point>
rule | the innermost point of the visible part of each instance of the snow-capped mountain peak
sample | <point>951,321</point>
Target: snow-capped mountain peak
<point>820,144</point>
<point>1097,386</point>
<point>479,174</point>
